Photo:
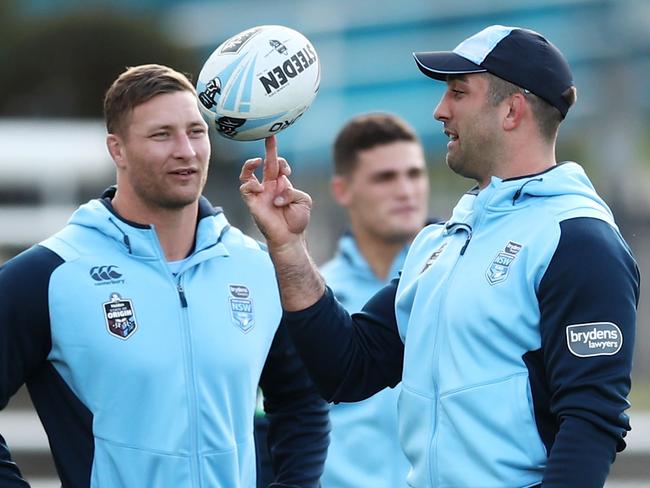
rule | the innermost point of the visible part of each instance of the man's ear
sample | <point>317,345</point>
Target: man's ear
<point>517,107</point>
<point>339,188</point>
<point>115,148</point>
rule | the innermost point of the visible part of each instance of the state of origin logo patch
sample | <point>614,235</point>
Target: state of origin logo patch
<point>120,317</point>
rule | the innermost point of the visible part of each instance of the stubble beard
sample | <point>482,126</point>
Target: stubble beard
<point>168,197</point>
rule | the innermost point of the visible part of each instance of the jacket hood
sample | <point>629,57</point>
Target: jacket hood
<point>142,240</point>
<point>564,179</point>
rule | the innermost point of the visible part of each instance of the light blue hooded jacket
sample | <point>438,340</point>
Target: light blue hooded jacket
<point>143,378</point>
<point>512,330</point>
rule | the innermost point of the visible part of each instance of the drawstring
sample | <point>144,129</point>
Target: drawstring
<point>451,227</point>
<point>125,237</point>
<point>518,192</point>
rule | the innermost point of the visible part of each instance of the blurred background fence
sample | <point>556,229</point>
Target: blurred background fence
<point>57,57</point>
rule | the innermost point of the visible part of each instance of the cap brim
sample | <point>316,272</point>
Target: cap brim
<point>439,64</point>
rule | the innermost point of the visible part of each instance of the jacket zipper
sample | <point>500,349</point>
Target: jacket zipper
<point>433,460</point>
<point>181,294</point>
<point>452,275</point>
<point>191,384</point>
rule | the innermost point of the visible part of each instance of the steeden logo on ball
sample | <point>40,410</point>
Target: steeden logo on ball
<point>258,82</point>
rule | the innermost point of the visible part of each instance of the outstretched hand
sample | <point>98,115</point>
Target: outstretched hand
<point>280,211</point>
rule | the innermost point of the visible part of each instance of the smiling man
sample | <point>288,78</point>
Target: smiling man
<point>489,325</point>
<point>143,327</point>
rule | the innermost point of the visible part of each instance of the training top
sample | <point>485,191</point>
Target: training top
<point>512,329</point>
<point>145,378</point>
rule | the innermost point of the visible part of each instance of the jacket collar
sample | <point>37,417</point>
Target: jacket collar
<point>349,251</point>
<point>141,240</point>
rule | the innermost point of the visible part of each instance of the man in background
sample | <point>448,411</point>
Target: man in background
<point>380,179</point>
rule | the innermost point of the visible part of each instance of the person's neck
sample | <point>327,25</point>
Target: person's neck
<point>521,161</point>
<point>175,228</point>
<point>378,253</point>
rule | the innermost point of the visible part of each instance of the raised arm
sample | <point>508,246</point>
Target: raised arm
<point>349,358</point>
<point>282,214</point>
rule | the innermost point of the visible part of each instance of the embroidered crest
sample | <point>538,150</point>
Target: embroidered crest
<point>241,307</point>
<point>433,257</point>
<point>120,317</point>
<point>500,265</point>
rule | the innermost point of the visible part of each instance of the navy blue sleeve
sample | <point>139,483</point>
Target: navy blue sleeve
<point>350,357</point>
<point>298,417</point>
<point>24,333</point>
<point>588,298</point>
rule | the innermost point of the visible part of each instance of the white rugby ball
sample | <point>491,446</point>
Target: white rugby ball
<point>258,82</point>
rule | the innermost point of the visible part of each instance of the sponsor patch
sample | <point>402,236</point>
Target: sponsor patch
<point>241,307</point>
<point>106,275</point>
<point>594,339</point>
<point>500,265</point>
<point>120,316</point>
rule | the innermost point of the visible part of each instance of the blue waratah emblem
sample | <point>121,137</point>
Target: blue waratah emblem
<point>241,307</point>
<point>500,265</point>
<point>120,316</point>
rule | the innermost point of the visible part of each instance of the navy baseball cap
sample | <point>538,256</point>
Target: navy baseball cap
<point>520,56</point>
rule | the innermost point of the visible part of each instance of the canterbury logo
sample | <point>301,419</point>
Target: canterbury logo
<point>105,273</point>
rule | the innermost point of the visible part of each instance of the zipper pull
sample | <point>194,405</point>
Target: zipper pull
<point>516,196</point>
<point>181,294</point>
<point>469,238</point>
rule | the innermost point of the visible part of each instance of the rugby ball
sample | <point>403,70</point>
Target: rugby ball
<point>258,82</point>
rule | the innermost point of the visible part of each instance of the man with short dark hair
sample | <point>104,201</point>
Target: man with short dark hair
<point>512,325</point>
<point>380,180</point>
<point>143,327</point>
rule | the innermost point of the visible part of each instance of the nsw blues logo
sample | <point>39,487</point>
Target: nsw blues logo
<point>241,307</point>
<point>120,317</point>
<point>500,265</point>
